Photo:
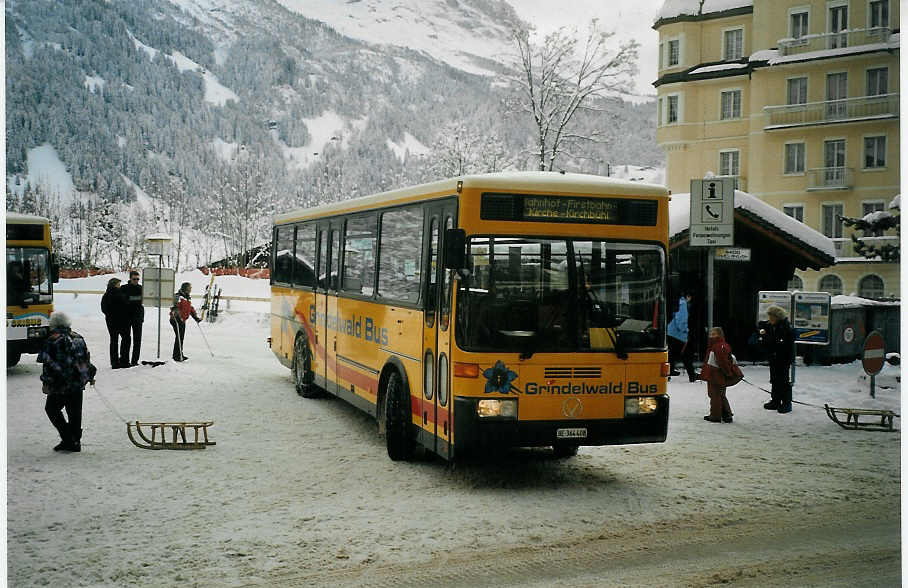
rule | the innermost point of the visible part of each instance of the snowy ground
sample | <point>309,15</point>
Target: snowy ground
<point>301,492</point>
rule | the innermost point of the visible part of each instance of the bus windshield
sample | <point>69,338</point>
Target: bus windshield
<point>532,295</point>
<point>28,273</point>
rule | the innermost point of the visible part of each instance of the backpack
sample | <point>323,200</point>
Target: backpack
<point>736,374</point>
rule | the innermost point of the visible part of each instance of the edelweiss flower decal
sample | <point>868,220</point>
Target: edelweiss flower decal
<point>499,378</point>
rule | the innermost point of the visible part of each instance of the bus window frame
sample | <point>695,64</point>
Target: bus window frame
<point>343,261</point>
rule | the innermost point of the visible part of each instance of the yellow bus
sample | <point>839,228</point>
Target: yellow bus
<point>30,275</point>
<point>501,310</point>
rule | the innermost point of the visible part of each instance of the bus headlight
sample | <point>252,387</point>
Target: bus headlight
<point>493,407</point>
<point>640,405</point>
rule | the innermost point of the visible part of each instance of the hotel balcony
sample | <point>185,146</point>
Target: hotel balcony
<point>830,178</point>
<point>862,108</point>
<point>824,41</point>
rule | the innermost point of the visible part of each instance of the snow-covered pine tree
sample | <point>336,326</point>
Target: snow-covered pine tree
<point>873,226</point>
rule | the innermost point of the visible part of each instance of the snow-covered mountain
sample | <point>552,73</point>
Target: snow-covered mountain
<point>210,107</point>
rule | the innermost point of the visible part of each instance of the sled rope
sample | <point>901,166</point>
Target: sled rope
<point>852,415</point>
<point>108,404</point>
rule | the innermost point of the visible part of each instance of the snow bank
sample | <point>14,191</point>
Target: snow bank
<point>300,487</point>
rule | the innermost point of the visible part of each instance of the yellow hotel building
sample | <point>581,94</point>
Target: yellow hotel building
<point>799,101</point>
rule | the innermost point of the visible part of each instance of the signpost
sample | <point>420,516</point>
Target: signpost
<point>712,224</point>
<point>873,358</point>
<point>157,244</point>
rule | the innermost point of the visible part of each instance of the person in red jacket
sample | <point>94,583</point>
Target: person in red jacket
<point>180,311</point>
<point>715,370</point>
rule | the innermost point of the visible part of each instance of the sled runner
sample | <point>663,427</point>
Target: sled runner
<point>852,416</point>
<point>179,435</point>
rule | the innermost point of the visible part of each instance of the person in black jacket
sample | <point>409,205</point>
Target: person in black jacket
<point>777,339</point>
<point>135,315</point>
<point>113,305</point>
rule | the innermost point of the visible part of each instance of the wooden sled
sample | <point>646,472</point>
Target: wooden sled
<point>179,435</point>
<point>852,416</point>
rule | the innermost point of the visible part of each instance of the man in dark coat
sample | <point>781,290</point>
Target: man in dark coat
<point>67,368</point>
<point>135,314</point>
<point>777,339</point>
<point>113,305</point>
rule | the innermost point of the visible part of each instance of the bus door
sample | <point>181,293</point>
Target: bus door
<point>436,405</point>
<point>331,310</point>
<point>320,345</point>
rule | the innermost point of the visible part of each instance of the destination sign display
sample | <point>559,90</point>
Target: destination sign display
<point>568,209</point>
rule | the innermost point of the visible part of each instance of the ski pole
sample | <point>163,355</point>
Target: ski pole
<point>202,331</point>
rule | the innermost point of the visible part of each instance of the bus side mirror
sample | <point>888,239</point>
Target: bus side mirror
<point>455,249</point>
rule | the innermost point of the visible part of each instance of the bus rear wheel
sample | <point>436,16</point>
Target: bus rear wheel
<point>397,419</point>
<point>302,369</point>
<point>12,357</point>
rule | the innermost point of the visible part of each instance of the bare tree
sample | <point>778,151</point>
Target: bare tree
<point>565,74</point>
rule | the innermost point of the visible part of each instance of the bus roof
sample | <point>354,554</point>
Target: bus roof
<point>532,181</point>
<point>26,219</point>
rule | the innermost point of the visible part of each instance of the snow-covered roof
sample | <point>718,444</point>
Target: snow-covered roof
<point>676,8</point>
<point>843,301</point>
<point>719,67</point>
<point>543,181</point>
<point>679,220</point>
<point>775,57</point>
<point>25,219</point>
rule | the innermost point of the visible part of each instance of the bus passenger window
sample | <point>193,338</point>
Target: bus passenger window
<point>359,256</point>
<point>283,254</point>
<point>304,260</point>
<point>400,255</point>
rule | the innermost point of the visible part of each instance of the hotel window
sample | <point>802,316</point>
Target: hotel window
<point>874,152</point>
<point>794,158</point>
<point>838,23</point>
<point>832,220</point>
<point>877,81</point>
<point>795,283</point>
<point>673,113</point>
<point>870,287</point>
<point>798,24</point>
<point>729,163</point>
<point>871,207</point>
<point>674,52</point>
<point>795,211</point>
<point>879,13</point>
<point>797,91</point>
<point>831,284</point>
<point>731,104</point>
<point>734,44</point>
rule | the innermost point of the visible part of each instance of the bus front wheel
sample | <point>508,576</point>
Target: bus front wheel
<point>563,450</point>
<point>12,357</point>
<point>397,419</point>
<point>302,369</point>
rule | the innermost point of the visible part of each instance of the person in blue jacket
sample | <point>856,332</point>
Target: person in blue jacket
<point>678,338</point>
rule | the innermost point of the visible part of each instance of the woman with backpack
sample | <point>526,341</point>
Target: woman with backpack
<point>181,310</point>
<point>719,371</point>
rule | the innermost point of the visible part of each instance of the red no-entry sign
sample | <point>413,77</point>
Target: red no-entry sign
<point>874,353</point>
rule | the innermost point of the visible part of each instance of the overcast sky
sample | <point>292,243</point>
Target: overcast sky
<point>626,18</point>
